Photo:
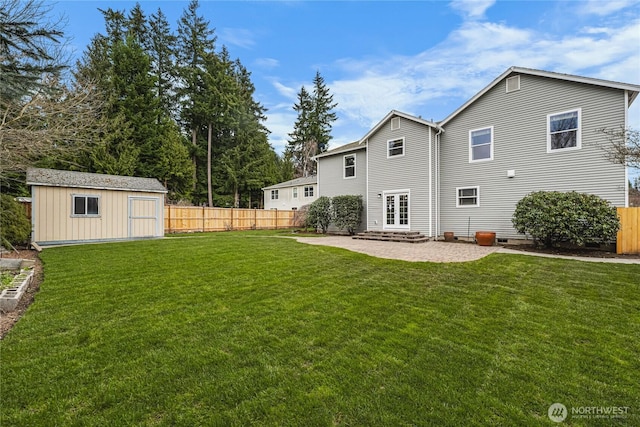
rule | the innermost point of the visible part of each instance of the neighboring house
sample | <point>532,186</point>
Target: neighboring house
<point>78,207</point>
<point>291,195</point>
<point>528,130</point>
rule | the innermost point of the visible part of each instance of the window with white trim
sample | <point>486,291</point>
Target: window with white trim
<point>481,144</point>
<point>274,194</point>
<point>395,147</point>
<point>564,130</point>
<point>467,197</point>
<point>308,191</point>
<point>349,166</point>
<point>295,192</point>
<point>86,205</point>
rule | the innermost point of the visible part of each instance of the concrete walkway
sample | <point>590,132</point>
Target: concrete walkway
<point>435,251</point>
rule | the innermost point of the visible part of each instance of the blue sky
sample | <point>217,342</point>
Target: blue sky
<point>423,58</point>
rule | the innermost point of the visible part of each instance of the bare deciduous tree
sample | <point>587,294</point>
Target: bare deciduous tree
<point>622,146</point>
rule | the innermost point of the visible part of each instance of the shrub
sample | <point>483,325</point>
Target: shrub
<point>319,215</point>
<point>347,212</point>
<point>551,217</point>
<point>15,227</point>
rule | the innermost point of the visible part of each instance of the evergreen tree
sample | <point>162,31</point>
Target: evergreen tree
<point>196,42</point>
<point>322,115</point>
<point>161,46</point>
<point>312,129</point>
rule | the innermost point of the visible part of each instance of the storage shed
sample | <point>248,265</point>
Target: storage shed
<point>78,207</point>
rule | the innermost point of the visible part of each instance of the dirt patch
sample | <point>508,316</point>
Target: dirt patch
<point>8,319</point>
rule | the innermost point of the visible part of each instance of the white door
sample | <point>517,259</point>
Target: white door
<point>144,218</point>
<point>396,210</point>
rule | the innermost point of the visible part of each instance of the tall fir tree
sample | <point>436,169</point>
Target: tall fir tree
<point>161,47</point>
<point>196,41</point>
<point>312,128</point>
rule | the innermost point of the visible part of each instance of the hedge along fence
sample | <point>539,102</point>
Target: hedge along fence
<point>189,219</point>
<point>628,240</point>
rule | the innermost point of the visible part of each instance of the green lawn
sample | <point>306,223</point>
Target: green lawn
<point>236,329</point>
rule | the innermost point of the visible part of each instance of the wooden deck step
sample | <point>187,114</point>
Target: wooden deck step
<point>393,236</point>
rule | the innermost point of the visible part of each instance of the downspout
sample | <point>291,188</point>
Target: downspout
<point>437,177</point>
<point>626,167</point>
<point>431,201</point>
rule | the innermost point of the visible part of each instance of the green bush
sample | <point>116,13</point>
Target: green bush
<point>551,217</point>
<point>15,227</point>
<point>347,212</point>
<point>319,215</point>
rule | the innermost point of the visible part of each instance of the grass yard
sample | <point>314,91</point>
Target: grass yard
<point>237,329</point>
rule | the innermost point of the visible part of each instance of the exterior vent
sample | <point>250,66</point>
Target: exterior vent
<point>395,123</point>
<point>513,84</point>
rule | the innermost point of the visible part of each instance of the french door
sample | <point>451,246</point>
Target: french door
<point>396,210</point>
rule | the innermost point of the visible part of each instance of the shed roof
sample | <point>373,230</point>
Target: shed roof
<point>58,178</point>
<point>305,180</point>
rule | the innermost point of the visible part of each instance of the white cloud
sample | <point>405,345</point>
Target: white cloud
<point>604,7</point>
<point>267,63</point>
<point>286,91</point>
<point>470,58</point>
<point>240,37</point>
<point>471,9</point>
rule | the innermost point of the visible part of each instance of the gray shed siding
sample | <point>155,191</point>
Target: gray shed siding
<point>409,172</point>
<point>331,181</point>
<point>520,143</point>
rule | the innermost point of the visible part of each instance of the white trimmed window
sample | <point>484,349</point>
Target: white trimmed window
<point>564,130</point>
<point>85,205</point>
<point>274,194</point>
<point>308,191</point>
<point>349,166</point>
<point>467,197</point>
<point>481,144</point>
<point>395,147</point>
<point>295,192</point>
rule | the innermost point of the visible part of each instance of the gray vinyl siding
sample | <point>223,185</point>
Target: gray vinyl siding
<point>409,172</point>
<point>520,143</point>
<point>331,181</point>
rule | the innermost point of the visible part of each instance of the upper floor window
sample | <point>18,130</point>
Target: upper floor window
<point>481,144</point>
<point>308,191</point>
<point>86,205</point>
<point>274,194</point>
<point>295,192</point>
<point>350,166</point>
<point>563,130</point>
<point>395,147</point>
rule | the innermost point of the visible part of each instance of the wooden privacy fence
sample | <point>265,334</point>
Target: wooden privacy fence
<point>187,219</point>
<point>628,241</point>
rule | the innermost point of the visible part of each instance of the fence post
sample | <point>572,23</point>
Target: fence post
<point>169,218</point>
<point>276,218</point>
<point>203,228</point>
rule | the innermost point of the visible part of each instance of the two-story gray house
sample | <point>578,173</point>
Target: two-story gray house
<point>528,130</point>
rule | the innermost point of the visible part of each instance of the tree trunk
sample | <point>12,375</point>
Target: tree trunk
<point>236,198</point>
<point>194,141</point>
<point>209,191</point>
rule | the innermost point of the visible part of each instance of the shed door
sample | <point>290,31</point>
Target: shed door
<point>144,216</point>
